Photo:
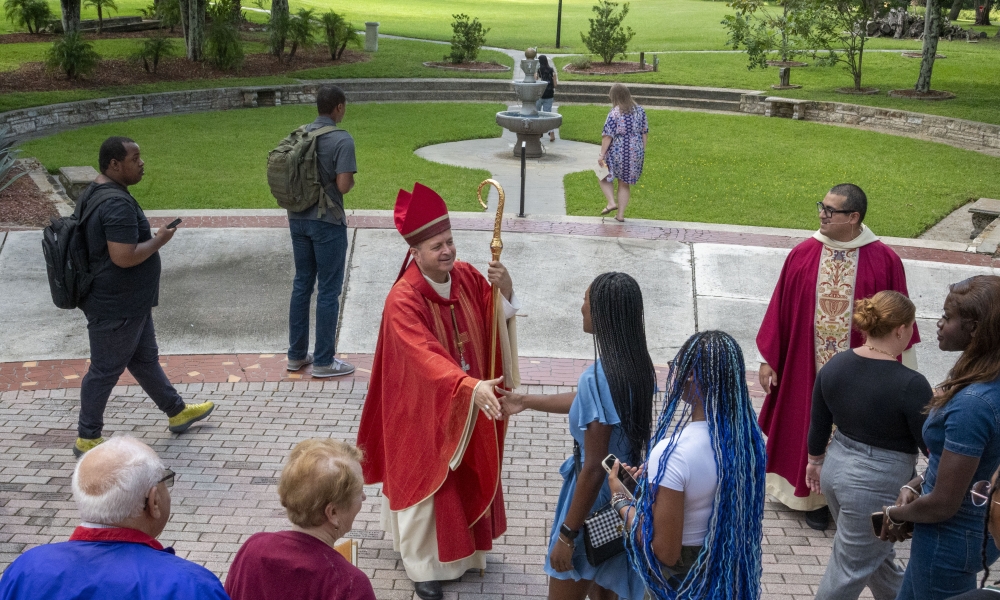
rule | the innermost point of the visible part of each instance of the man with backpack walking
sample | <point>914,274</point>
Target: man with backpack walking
<point>309,173</point>
<point>125,263</point>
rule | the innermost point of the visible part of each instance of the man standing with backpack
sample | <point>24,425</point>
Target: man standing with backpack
<point>319,180</point>
<point>125,262</point>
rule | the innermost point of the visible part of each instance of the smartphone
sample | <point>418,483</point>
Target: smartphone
<point>877,518</point>
<point>623,475</point>
<point>174,224</point>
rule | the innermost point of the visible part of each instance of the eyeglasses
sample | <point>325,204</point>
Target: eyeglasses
<point>167,480</point>
<point>980,493</point>
<point>829,212</point>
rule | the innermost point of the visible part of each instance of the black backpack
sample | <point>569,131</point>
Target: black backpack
<point>67,260</point>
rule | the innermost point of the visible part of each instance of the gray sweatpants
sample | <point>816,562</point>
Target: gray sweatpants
<point>857,480</point>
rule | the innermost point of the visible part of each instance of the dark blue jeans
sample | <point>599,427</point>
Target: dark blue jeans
<point>117,344</point>
<point>945,557</point>
<point>320,250</point>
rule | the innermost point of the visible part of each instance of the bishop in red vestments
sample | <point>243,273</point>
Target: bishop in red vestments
<point>807,322</point>
<point>431,428</point>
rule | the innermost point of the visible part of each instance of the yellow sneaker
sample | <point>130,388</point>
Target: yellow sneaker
<point>191,413</point>
<point>83,445</point>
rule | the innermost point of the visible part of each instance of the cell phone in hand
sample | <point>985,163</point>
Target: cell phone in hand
<point>623,475</point>
<point>877,518</point>
<point>174,224</point>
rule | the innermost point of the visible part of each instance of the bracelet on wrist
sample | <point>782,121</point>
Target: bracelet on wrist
<point>816,463</point>
<point>908,487</point>
<point>889,517</point>
<point>562,539</point>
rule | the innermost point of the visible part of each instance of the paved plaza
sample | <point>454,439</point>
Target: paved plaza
<point>222,328</point>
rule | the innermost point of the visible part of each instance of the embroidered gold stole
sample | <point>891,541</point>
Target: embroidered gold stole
<point>838,269</point>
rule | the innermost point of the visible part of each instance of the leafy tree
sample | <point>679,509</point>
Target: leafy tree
<point>339,33</point>
<point>70,15</point>
<point>72,55</point>
<point>193,13</point>
<point>468,36</point>
<point>152,50</point>
<point>761,29</point>
<point>301,30</point>
<point>607,38</point>
<point>841,29</point>
<point>31,14</point>
<point>278,27</point>
<point>101,6</point>
<point>222,44</point>
<point>932,31</point>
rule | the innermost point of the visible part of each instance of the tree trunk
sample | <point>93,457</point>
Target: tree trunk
<point>984,17</point>
<point>956,7</point>
<point>100,20</point>
<point>193,26</point>
<point>279,8</point>
<point>932,27</point>
<point>70,15</point>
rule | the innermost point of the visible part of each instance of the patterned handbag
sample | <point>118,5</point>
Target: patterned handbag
<point>603,530</point>
<point>603,535</point>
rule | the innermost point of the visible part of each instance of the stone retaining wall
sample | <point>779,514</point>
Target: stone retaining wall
<point>40,121</point>
<point>968,134</point>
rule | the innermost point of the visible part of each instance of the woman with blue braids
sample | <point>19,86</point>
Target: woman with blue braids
<point>611,411</point>
<point>695,526</point>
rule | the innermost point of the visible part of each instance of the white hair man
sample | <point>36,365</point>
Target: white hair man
<point>122,491</point>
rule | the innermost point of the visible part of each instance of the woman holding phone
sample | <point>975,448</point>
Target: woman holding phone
<point>962,434</point>
<point>695,527</point>
<point>611,412</point>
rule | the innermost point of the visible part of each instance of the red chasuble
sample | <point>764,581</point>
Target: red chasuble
<point>786,341</point>
<point>418,405</point>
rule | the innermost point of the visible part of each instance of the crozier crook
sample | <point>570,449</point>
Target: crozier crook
<point>496,247</point>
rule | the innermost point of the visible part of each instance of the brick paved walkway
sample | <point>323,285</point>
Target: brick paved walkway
<point>226,485</point>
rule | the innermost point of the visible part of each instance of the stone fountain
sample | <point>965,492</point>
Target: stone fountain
<point>528,123</point>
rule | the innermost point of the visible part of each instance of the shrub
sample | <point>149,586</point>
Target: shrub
<point>301,30</point>
<point>580,62</point>
<point>7,157</point>
<point>607,38</point>
<point>167,11</point>
<point>31,14</point>
<point>466,40</point>
<point>72,55</point>
<point>223,44</point>
<point>101,6</point>
<point>339,33</point>
<point>152,50</point>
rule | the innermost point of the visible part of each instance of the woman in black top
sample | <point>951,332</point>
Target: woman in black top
<point>547,73</point>
<point>877,406</point>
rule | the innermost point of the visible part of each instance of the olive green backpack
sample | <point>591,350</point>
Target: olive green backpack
<point>292,172</point>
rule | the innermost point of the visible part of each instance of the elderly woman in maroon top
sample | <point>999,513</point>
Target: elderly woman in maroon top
<point>321,490</point>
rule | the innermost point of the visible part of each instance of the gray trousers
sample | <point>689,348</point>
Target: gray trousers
<point>857,480</point>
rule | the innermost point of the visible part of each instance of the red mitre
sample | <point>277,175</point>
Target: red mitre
<point>420,215</point>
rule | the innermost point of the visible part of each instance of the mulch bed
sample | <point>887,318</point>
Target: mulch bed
<point>468,66</point>
<point>786,63</point>
<point>615,68</point>
<point>921,55</point>
<point>865,91</point>
<point>29,38</point>
<point>33,77</point>
<point>915,95</point>
<point>22,204</point>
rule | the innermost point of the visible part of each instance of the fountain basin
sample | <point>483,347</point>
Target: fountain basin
<point>529,129</point>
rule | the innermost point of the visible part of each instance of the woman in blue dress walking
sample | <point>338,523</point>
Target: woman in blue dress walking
<point>623,149</point>
<point>611,412</point>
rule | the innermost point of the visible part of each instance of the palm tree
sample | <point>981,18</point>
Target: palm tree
<point>100,5</point>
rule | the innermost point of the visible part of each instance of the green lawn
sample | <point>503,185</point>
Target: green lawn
<point>972,71</point>
<point>699,167</point>
<point>395,58</point>
<point>220,160</point>
<point>771,172</point>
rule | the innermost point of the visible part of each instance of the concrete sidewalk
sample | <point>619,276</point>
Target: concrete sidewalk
<point>225,290</point>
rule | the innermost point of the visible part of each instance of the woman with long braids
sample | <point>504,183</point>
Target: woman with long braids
<point>611,411</point>
<point>962,434</point>
<point>695,526</point>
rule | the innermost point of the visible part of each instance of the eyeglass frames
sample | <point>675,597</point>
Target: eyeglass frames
<point>829,212</point>
<point>980,493</point>
<point>167,480</point>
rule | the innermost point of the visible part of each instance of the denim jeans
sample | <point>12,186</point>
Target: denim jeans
<point>117,344</point>
<point>945,558</point>
<point>857,480</point>
<point>320,250</point>
<point>544,104</point>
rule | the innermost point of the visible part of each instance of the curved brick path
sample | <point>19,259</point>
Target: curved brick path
<point>228,465</point>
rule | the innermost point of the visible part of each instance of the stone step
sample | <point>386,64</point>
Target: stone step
<point>646,90</point>
<point>698,103</point>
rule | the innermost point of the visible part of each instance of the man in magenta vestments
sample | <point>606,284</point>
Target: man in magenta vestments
<point>807,322</point>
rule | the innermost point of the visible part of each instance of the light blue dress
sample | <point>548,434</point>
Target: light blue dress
<point>593,403</point>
